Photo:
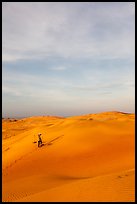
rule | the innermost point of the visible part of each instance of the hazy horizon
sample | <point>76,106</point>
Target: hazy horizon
<point>67,58</point>
<point>65,116</point>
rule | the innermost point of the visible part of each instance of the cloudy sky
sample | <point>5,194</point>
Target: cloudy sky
<point>67,58</point>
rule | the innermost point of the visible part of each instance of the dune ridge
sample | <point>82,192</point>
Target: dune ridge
<point>83,158</point>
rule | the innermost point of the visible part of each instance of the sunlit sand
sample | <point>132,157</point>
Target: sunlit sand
<point>83,158</point>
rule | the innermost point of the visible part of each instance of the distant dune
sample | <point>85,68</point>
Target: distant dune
<point>83,158</point>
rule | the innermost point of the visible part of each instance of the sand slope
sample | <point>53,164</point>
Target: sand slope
<point>84,158</point>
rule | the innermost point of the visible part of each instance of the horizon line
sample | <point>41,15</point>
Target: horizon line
<point>19,117</point>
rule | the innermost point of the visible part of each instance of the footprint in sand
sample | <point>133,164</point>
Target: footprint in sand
<point>119,177</point>
<point>122,176</point>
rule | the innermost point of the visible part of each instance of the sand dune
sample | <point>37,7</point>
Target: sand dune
<point>84,158</point>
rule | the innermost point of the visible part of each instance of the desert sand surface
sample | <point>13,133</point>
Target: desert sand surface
<point>83,158</point>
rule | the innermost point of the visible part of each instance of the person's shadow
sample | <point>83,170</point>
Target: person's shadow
<point>50,142</point>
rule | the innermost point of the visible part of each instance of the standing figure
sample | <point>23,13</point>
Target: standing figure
<point>40,140</point>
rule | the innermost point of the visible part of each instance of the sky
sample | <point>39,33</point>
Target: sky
<point>67,58</point>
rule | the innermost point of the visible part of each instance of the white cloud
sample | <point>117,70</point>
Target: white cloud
<point>70,30</point>
<point>58,68</point>
<point>11,90</point>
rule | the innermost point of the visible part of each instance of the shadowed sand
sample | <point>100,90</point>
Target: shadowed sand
<point>83,158</point>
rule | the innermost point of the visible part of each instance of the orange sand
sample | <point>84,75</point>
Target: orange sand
<point>84,158</point>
